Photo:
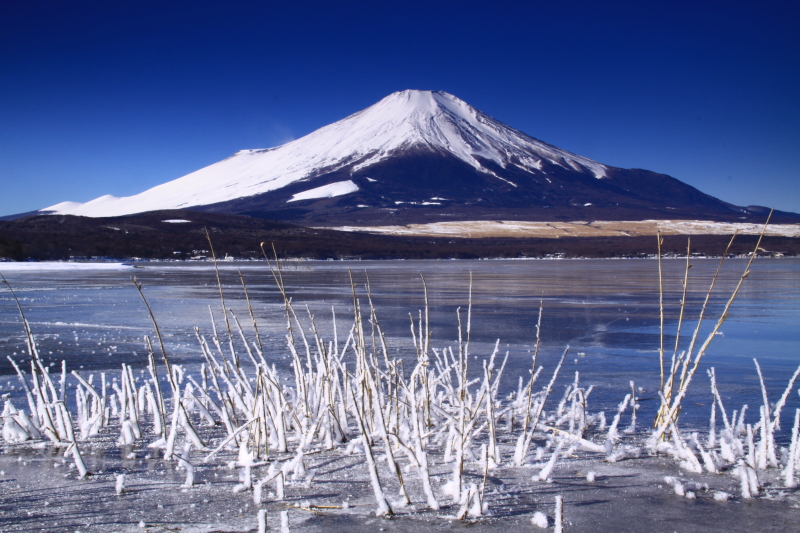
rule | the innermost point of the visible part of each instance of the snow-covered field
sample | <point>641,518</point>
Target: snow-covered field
<point>599,228</point>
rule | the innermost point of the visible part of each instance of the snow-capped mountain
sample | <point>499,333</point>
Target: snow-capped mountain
<point>412,155</point>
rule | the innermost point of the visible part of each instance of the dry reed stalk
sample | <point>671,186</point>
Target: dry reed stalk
<point>300,380</point>
<point>766,445</point>
<point>383,504</point>
<point>425,344</point>
<point>219,283</point>
<point>183,416</point>
<point>65,431</point>
<point>776,416</point>
<point>671,412</point>
<point>277,275</point>
<point>373,387</point>
<point>246,346</point>
<point>420,454</point>
<point>28,334</point>
<point>24,382</point>
<point>250,310</point>
<point>534,372</point>
<point>227,414</point>
<point>48,398</point>
<point>678,359</point>
<point>683,297</point>
<point>524,442</point>
<point>660,309</point>
<point>227,439</point>
<point>685,357</point>
<point>792,459</point>
<point>151,367</point>
<point>718,401</point>
<point>172,383</point>
<point>43,412</point>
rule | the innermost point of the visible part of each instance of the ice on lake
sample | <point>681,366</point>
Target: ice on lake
<point>606,310</point>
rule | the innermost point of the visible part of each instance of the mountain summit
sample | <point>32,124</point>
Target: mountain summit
<point>416,156</point>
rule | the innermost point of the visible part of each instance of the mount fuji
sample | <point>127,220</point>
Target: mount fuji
<point>418,156</point>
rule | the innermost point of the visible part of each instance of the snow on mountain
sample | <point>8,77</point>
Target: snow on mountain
<point>64,206</point>
<point>339,188</point>
<point>437,122</point>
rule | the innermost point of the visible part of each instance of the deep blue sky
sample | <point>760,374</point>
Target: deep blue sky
<point>115,97</point>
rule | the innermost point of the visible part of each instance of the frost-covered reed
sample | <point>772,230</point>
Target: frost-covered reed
<point>739,448</point>
<point>342,395</point>
<point>404,415</point>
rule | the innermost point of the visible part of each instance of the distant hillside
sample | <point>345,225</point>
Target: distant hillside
<point>160,235</point>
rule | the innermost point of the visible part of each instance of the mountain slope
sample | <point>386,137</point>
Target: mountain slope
<point>416,156</point>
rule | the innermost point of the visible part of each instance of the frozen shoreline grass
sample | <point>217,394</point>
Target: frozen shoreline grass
<point>427,437</point>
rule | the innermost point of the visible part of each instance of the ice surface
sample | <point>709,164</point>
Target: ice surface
<point>627,496</point>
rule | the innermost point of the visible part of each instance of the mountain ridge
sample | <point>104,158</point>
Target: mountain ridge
<point>416,156</point>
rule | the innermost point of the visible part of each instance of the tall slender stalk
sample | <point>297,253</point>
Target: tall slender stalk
<point>673,410</point>
<point>250,310</point>
<point>219,284</point>
<point>660,310</point>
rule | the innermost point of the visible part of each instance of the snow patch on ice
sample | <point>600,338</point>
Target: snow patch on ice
<point>46,265</point>
<point>539,519</point>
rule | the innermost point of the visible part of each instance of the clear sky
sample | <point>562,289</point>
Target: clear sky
<point>117,96</point>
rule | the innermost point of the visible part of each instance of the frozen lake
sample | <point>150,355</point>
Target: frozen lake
<point>606,310</point>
